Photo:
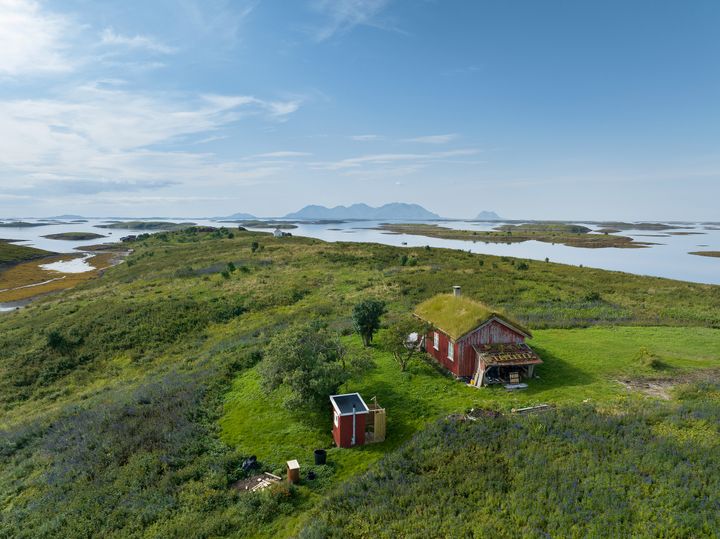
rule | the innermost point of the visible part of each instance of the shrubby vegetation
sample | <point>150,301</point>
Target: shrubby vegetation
<point>366,317</point>
<point>110,392</point>
<point>130,462</point>
<point>10,253</point>
<point>311,363</point>
<point>397,339</point>
<point>574,472</point>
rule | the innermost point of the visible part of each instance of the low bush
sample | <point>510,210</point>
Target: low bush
<point>651,471</point>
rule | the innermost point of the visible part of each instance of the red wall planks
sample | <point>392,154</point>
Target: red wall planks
<point>343,432</point>
<point>464,362</point>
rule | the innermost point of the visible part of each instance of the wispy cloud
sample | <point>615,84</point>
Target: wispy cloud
<point>283,154</point>
<point>434,139</point>
<point>387,158</point>
<point>98,139</point>
<point>110,37</point>
<point>31,39</point>
<point>344,15</point>
<point>91,187</point>
<point>467,70</point>
<point>220,19</point>
<point>283,108</point>
<point>366,138</point>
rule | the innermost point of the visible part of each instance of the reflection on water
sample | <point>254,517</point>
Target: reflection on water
<point>669,258</point>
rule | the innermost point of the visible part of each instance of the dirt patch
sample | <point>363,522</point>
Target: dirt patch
<point>653,388</point>
<point>256,482</point>
<point>662,387</point>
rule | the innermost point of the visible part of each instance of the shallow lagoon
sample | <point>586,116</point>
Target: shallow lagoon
<point>669,258</point>
<point>76,265</point>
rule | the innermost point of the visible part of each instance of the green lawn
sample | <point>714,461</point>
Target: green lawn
<point>580,364</point>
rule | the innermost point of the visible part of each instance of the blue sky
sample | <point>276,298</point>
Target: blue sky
<point>535,109</point>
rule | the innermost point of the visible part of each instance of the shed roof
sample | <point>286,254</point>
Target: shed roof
<point>343,404</point>
<point>507,354</point>
<point>459,315</point>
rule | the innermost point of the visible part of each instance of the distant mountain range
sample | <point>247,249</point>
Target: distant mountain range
<point>488,216</point>
<point>395,210</point>
<point>66,217</point>
<point>240,216</point>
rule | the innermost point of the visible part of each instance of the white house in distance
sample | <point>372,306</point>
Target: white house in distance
<point>280,234</point>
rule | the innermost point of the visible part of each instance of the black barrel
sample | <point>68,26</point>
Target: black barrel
<point>320,456</point>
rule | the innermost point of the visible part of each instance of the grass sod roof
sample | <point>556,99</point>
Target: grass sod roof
<point>459,315</point>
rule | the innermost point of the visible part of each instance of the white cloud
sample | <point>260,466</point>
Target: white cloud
<point>110,37</point>
<point>276,109</point>
<point>99,139</point>
<point>344,15</point>
<point>283,108</point>
<point>366,138</point>
<point>282,154</point>
<point>31,40</point>
<point>388,158</point>
<point>434,139</point>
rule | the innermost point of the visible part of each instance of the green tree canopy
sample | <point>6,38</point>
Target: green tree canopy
<point>366,318</point>
<point>398,339</point>
<point>310,362</point>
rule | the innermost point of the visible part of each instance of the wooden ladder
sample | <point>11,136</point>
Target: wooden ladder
<point>476,377</point>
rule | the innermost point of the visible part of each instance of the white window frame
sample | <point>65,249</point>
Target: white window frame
<point>335,419</point>
<point>451,350</point>
<point>436,340</point>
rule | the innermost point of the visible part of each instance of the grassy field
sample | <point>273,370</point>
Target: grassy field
<point>581,366</point>
<point>571,235</point>
<point>130,401</point>
<point>638,471</point>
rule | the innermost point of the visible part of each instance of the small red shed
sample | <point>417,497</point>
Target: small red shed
<point>349,419</point>
<point>476,342</point>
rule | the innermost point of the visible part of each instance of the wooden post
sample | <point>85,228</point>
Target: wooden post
<point>293,471</point>
<point>379,425</point>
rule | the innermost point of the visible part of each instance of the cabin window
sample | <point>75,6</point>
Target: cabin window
<point>451,351</point>
<point>335,419</point>
<point>436,341</point>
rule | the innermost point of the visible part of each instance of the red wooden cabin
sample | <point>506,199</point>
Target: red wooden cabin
<point>473,341</point>
<point>349,419</point>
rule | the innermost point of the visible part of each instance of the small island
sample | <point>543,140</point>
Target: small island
<point>74,236</point>
<point>619,225</point>
<point>282,225</point>
<point>24,224</point>
<point>713,254</point>
<point>563,233</point>
<point>146,225</point>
